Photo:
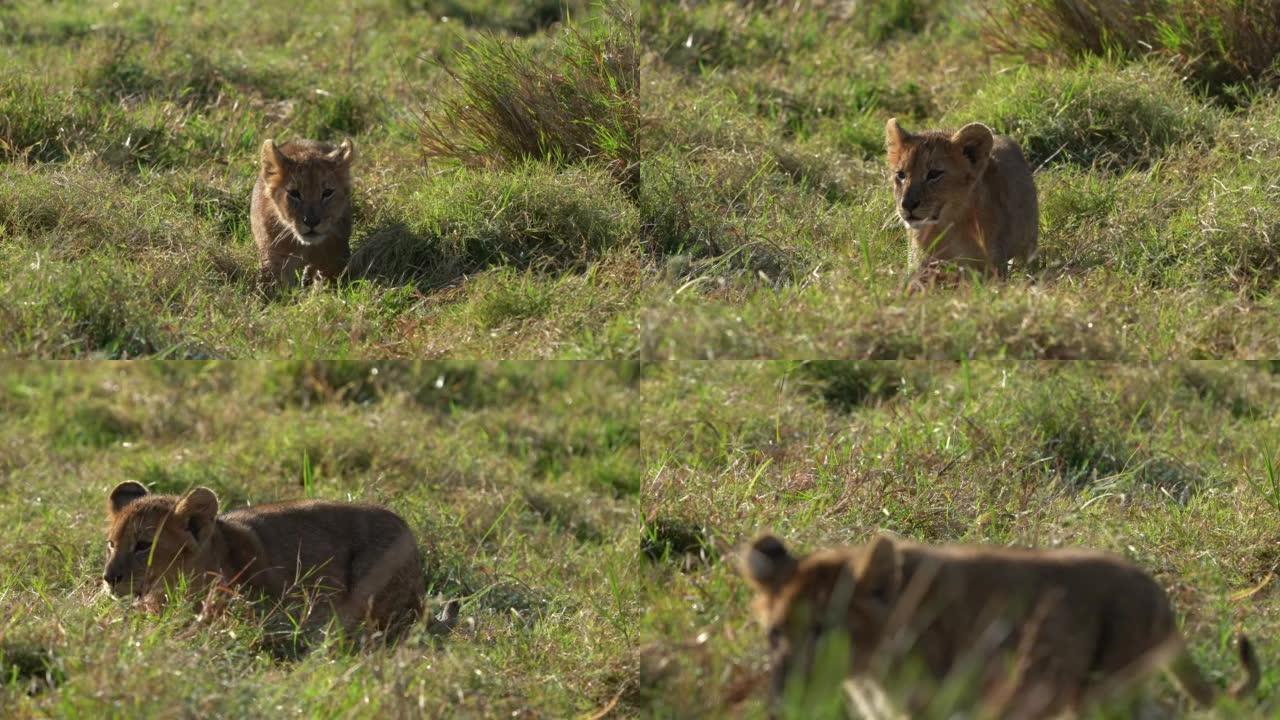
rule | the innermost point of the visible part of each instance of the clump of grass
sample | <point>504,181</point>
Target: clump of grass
<point>512,297</point>
<point>578,103</point>
<point>1219,44</point>
<point>1091,114</point>
<point>51,124</point>
<point>98,425</point>
<point>529,217</point>
<point>90,307</point>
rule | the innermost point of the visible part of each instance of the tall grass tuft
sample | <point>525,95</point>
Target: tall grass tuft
<point>1219,44</point>
<point>578,102</point>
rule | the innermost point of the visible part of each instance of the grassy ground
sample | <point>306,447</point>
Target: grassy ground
<point>1166,465</point>
<point>745,214</point>
<point>129,136</point>
<point>768,200</point>
<point>588,515</point>
<point>521,481</point>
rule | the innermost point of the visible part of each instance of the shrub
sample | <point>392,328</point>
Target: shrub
<point>511,104</point>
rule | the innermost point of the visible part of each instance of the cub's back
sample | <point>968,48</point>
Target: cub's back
<point>1088,589</point>
<point>314,531</point>
<point>1017,191</point>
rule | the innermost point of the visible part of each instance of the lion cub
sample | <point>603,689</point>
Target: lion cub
<point>301,212</point>
<point>355,563</point>
<point>966,198</point>
<point>1032,633</point>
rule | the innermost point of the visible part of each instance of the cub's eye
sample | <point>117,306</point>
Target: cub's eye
<point>294,194</point>
<point>933,175</point>
<point>900,176</point>
<point>328,192</point>
<point>142,546</point>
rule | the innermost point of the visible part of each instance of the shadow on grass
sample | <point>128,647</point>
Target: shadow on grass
<point>30,669</point>
<point>395,255</point>
<point>679,542</point>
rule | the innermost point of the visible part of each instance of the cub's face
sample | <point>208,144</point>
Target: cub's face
<point>155,539</point>
<point>801,601</point>
<point>933,173</point>
<point>310,186</point>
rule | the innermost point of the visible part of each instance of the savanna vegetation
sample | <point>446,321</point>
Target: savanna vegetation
<point>521,481</point>
<point>1173,466</point>
<point>496,175</point>
<point>669,180</point>
<point>646,181</point>
<point>1152,126</point>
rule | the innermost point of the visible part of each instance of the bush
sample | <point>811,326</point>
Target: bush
<point>512,105</point>
<point>1218,43</point>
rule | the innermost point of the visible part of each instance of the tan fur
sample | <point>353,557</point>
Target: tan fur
<point>966,198</point>
<point>1036,633</point>
<point>302,234</point>
<point>358,563</point>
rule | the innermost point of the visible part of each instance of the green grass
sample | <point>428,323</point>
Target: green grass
<point>1170,465</point>
<point>768,206</point>
<point>1224,46</point>
<point>588,514</point>
<point>544,179</point>
<point>583,180</point>
<point>518,479</point>
<point>128,145</point>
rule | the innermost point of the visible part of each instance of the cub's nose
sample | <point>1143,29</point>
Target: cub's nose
<point>112,578</point>
<point>310,221</point>
<point>909,203</point>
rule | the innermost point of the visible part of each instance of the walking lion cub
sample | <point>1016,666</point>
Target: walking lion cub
<point>966,198</point>
<point>358,564</point>
<point>1027,633</point>
<point>301,212</point>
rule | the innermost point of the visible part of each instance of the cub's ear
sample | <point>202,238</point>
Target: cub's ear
<point>272,160</point>
<point>343,153</point>
<point>767,564</point>
<point>894,136</point>
<point>197,511</point>
<point>123,494</point>
<point>878,569</point>
<point>975,141</point>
